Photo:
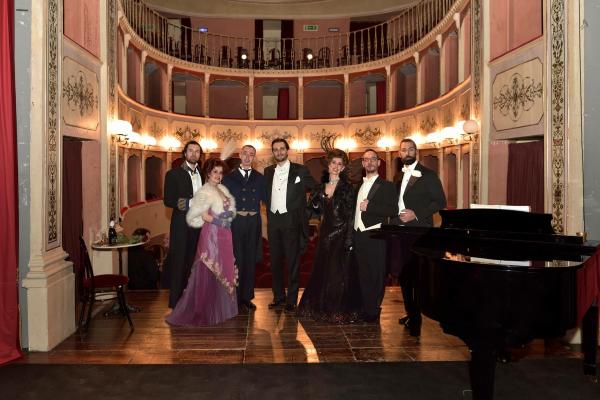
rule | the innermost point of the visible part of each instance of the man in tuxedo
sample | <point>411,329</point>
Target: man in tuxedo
<point>287,226</point>
<point>420,195</point>
<point>247,185</point>
<point>181,184</point>
<point>376,202</point>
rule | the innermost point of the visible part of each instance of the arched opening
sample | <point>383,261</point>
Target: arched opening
<point>367,95</point>
<point>154,78</point>
<point>276,100</point>
<point>133,73</point>
<point>154,169</point>
<point>187,92</point>
<point>228,99</point>
<point>430,73</point>
<point>324,98</point>
<point>133,179</point>
<point>405,87</point>
<point>451,61</point>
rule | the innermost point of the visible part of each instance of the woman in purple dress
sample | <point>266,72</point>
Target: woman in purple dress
<point>210,295</point>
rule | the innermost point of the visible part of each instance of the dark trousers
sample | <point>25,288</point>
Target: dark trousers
<point>246,235</point>
<point>284,241</point>
<point>180,262</point>
<point>370,256</point>
<point>405,265</point>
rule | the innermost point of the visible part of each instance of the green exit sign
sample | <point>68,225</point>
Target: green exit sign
<point>311,28</point>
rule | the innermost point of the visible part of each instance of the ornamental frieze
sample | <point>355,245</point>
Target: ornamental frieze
<point>368,136</point>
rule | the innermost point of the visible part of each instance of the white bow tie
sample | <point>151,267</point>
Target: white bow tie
<point>406,169</point>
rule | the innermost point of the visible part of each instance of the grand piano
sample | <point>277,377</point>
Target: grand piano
<point>501,278</point>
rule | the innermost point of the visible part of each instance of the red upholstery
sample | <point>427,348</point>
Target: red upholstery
<point>106,281</point>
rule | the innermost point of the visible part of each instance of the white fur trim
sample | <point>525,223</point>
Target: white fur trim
<point>207,198</point>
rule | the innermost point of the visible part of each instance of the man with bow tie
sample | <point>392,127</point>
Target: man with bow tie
<point>420,195</point>
<point>287,226</point>
<point>181,184</point>
<point>376,202</point>
<point>247,185</point>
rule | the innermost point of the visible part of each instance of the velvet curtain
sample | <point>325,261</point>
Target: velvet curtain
<point>9,311</point>
<point>525,182</point>
<point>72,217</point>
<point>380,91</point>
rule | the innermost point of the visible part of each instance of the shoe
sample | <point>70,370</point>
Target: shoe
<point>403,320</point>
<point>242,308</point>
<point>249,305</point>
<point>290,308</point>
<point>277,304</point>
<point>414,326</point>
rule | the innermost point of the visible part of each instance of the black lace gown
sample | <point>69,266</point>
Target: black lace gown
<point>332,293</point>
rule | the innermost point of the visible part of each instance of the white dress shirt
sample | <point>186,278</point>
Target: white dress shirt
<point>279,188</point>
<point>408,169</point>
<point>363,192</point>
<point>242,171</point>
<point>196,177</point>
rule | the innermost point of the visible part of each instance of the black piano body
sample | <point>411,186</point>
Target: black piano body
<point>500,278</point>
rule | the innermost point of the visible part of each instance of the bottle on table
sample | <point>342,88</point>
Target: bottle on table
<point>112,233</point>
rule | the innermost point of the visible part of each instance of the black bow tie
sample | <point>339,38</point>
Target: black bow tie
<point>246,173</point>
<point>191,171</point>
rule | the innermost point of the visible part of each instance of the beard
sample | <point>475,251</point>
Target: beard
<point>408,160</point>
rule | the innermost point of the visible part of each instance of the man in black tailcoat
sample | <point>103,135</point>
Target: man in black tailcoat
<point>377,201</point>
<point>247,185</point>
<point>420,195</point>
<point>180,185</point>
<point>287,226</point>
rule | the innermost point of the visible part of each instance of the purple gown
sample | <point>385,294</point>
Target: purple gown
<point>210,295</point>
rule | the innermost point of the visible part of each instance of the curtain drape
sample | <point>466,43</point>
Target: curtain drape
<point>72,216</point>
<point>283,104</point>
<point>380,90</point>
<point>9,311</point>
<point>525,182</point>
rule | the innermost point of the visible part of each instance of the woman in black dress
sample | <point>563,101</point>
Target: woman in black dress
<point>332,293</point>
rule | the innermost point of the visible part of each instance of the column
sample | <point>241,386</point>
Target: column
<point>49,282</point>
<point>461,47</point>
<point>168,90</point>
<point>251,97</point>
<point>419,85</point>
<point>440,42</point>
<point>143,175</point>
<point>125,185</point>
<point>300,97</point>
<point>388,88</point>
<point>142,92</point>
<point>346,95</point>
<point>205,98</point>
<point>125,61</point>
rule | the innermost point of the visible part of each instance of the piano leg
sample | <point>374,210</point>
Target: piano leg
<point>589,339</point>
<point>482,369</point>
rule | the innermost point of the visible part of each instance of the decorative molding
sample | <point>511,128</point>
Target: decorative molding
<point>52,118</point>
<point>403,130</point>
<point>229,135</point>
<point>111,43</point>
<point>517,96</point>
<point>428,124</point>
<point>477,68</point>
<point>557,120</point>
<point>80,94</point>
<point>156,130</point>
<point>135,120</point>
<point>267,137</point>
<point>186,134</point>
<point>368,136</point>
<point>317,136</point>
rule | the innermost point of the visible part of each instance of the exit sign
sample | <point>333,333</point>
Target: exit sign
<point>311,28</point>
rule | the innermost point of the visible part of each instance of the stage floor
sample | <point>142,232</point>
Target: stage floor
<point>265,336</point>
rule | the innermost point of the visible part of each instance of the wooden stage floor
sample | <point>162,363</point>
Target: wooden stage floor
<point>264,336</point>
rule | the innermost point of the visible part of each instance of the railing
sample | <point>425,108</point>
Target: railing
<point>356,47</point>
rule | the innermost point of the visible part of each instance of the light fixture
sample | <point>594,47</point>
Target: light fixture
<point>346,144</point>
<point>385,142</point>
<point>208,144</point>
<point>135,137</point>
<point>471,126</point>
<point>148,140</point>
<point>121,130</point>
<point>300,145</point>
<point>308,53</point>
<point>418,139</point>
<point>169,142</point>
<point>244,54</point>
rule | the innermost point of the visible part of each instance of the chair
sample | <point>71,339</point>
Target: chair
<point>324,57</point>
<point>100,284</point>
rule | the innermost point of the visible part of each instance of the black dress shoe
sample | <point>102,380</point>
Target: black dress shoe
<point>414,326</point>
<point>290,308</point>
<point>403,320</point>
<point>250,305</point>
<point>276,304</point>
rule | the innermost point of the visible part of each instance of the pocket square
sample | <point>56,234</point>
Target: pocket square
<point>297,179</point>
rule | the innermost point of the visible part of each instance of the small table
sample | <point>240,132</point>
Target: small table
<point>119,248</point>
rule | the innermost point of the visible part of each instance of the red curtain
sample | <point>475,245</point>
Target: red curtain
<point>283,104</point>
<point>525,183</point>
<point>9,312</point>
<point>380,91</point>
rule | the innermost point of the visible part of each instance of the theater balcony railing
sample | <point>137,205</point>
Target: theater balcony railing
<point>398,35</point>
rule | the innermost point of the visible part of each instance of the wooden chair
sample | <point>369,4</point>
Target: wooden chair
<point>100,284</point>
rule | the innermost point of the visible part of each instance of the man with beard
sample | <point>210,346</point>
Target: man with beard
<point>247,185</point>
<point>376,202</point>
<point>287,226</point>
<point>420,195</point>
<point>180,185</point>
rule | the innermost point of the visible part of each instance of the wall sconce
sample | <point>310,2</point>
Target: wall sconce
<point>208,145</point>
<point>244,54</point>
<point>308,53</point>
<point>170,143</point>
<point>135,137</point>
<point>346,144</point>
<point>470,129</point>
<point>386,142</point>
<point>121,130</point>
<point>417,138</point>
<point>148,141</point>
<point>450,134</point>
<point>257,144</point>
<point>300,145</point>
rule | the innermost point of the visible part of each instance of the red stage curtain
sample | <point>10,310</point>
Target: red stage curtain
<point>380,90</point>
<point>9,312</point>
<point>283,104</point>
<point>525,183</point>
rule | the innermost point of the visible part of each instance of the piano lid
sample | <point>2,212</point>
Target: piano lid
<point>497,220</point>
